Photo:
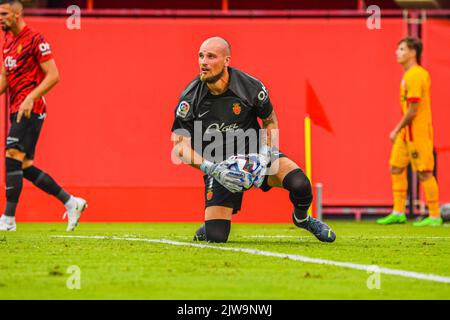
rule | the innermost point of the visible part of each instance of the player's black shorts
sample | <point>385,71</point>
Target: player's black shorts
<point>218,195</point>
<point>24,135</point>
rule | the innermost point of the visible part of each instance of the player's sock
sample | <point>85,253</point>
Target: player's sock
<point>399,189</point>
<point>46,183</point>
<point>14,182</point>
<point>300,193</point>
<point>217,230</point>
<point>431,189</point>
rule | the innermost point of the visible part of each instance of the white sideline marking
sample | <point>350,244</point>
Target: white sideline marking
<point>350,237</point>
<point>401,273</point>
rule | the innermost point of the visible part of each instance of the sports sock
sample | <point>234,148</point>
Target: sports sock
<point>399,189</point>
<point>431,189</point>
<point>217,230</point>
<point>14,182</point>
<point>46,183</point>
<point>300,193</point>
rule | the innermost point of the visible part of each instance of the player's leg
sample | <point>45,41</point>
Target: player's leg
<point>217,225</point>
<point>290,177</point>
<point>423,161</point>
<point>43,181</point>
<point>14,182</point>
<point>74,205</point>
<point>431,189</point>
<point>399,160</point>
<point>15,154</point>
<point>220,205</point>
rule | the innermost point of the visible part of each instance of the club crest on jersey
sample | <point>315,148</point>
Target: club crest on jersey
<point>209,194</point>
<point>183,109</point>
<point>236,108</point>
<point>19,48</point>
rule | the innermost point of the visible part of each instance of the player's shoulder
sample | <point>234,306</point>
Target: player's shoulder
<point>247,86</point>
<point>245,79</point>
<point>187,100</point>
<point>190,90</point>
<point>417,71</point>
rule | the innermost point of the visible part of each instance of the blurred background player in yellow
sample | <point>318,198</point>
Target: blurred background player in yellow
<point>413,137</point>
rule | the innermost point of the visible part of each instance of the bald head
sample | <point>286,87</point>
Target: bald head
<point>218,43</point>
<point>214,59</point>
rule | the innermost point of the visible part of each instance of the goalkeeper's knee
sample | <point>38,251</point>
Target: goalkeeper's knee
<point>217,230</point>
<point>300,191</point>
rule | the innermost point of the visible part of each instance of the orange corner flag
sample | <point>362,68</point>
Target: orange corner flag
<point>315,110</point>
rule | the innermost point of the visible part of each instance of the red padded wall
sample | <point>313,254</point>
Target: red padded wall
<point>107,134</point>
<point>437,61</point>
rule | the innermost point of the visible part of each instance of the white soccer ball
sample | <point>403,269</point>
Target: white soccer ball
<point>247,164</point>
<point>445,212</point>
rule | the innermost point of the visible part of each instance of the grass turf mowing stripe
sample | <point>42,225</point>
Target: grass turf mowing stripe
<point>371,268</point>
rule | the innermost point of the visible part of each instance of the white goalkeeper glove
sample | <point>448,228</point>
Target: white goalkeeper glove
<point>264,159</point>
<point>230,179</point>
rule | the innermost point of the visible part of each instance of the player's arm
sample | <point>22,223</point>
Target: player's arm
<point>228,178</point>
<point>270,125</point>
<point>406,120</point>
<point>184,152</point>
<point>3,81</point>
<point>50,80</point>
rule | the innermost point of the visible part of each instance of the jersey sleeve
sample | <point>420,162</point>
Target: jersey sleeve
<point>183,123</point>
<point>414,84</point>
<point>42,51</point>
<point>263,106</point>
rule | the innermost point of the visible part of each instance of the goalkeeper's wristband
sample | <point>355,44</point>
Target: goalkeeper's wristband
<point>205,166</point>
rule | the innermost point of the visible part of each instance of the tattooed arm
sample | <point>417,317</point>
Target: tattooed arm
<point>270,124</point>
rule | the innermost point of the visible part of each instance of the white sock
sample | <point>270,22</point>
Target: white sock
<point>9,220</point>
<point>71,203</point>
<point>396,213</point>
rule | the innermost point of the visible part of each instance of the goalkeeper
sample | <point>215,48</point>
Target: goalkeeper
<point>216,118</point>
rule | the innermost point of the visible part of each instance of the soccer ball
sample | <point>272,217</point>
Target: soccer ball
<point>248,164</point>
<point>445,212</point>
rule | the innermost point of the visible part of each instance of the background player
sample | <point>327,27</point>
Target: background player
<point>29,72</point>
<point>223,99</point>
<point>413,137</point>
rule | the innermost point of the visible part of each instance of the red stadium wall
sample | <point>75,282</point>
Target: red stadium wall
<point>107,134</point>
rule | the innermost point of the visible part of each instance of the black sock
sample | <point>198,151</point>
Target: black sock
<point>14,182</point>
<point>300,192</point>
<point>46,183</point>
<point>217,230</point>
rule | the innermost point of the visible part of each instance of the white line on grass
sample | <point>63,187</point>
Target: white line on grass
<point>349,237</point>
<point>396,272</point>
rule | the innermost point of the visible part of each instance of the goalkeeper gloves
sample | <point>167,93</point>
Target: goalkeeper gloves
<point>264,159</point>
<point>230,179</point>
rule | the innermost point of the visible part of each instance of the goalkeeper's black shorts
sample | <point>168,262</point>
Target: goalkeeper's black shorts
<point>218,195</point>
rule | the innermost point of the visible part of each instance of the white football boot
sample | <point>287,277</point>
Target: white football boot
<point>7,223</point>
<point>75,206</point>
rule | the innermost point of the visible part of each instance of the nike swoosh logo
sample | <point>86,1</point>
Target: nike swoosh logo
<point>9,188</point>
<point>202,114</point>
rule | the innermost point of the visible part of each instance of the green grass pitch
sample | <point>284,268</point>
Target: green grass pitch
<point>34,263</point>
